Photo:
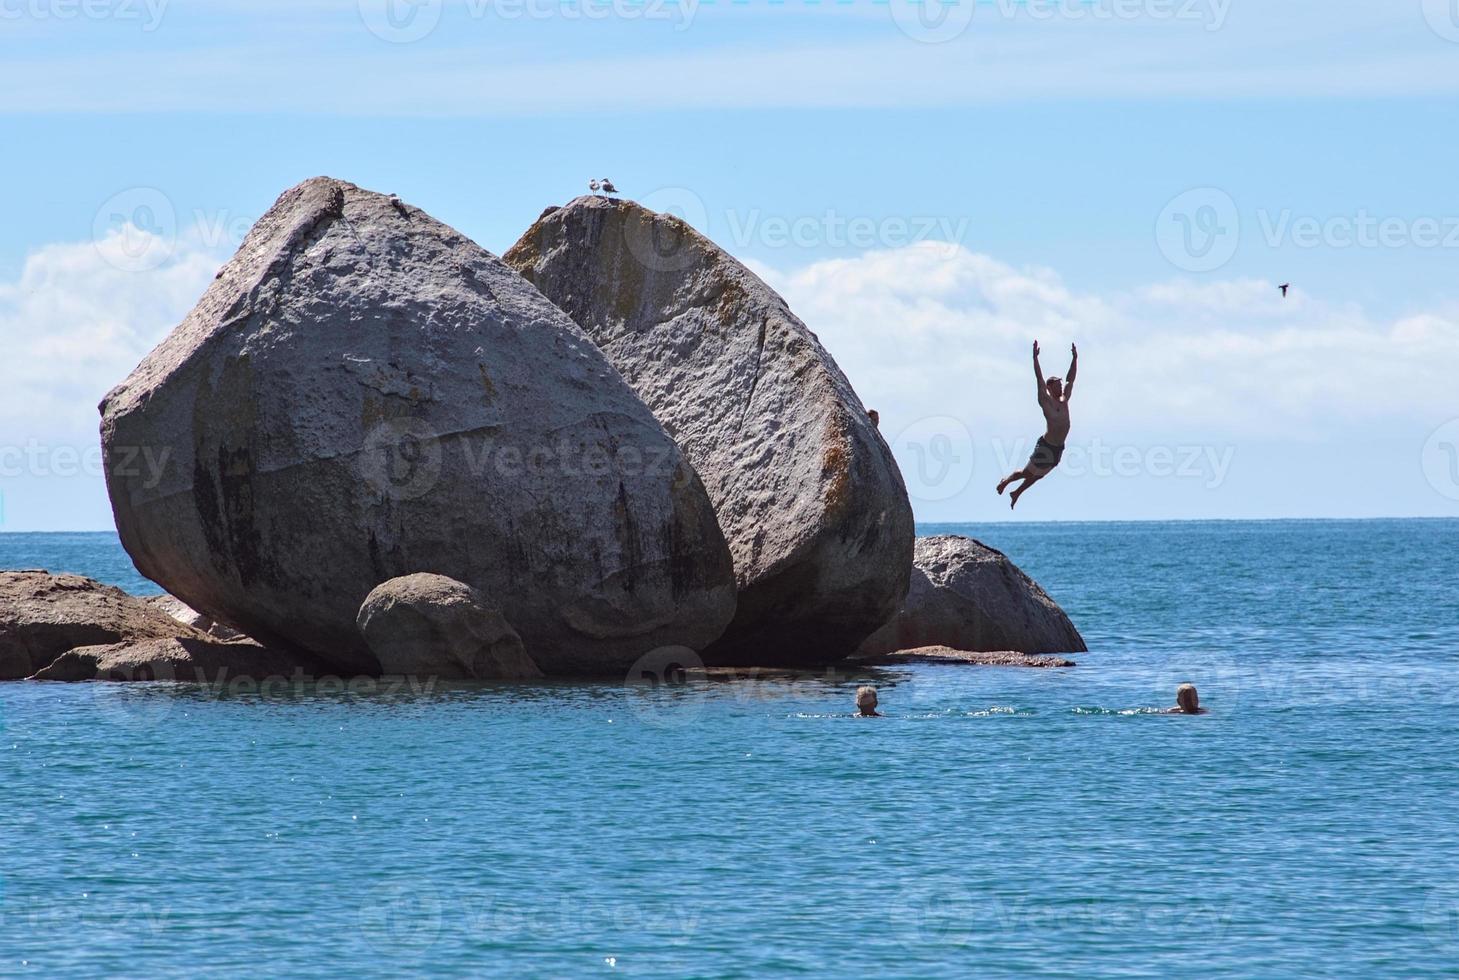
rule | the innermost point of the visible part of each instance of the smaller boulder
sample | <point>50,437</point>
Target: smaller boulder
<point>183,613</point>
<point>44,615</point>
<point>189,660</point>
<point>432,626</point>
<point>967,596</point>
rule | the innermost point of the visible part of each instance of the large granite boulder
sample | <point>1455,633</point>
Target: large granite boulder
<point>364,393</point>
<point>44,615</point>
<point>967,596</point>
<point>805,489</point>
<point>433,626</point>
<point>186,660</point>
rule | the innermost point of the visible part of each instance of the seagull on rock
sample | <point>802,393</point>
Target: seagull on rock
<point>608,187</point>
<point>593,186</point>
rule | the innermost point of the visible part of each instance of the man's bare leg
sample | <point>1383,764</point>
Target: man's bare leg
<point>1015,475</point>
<point>1028,481</point>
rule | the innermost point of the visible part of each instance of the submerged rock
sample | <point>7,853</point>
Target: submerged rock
<point>44,615</point>
<point>805,489</point>
<point>433,626</point>
<point>187,660</point>
<point>970,597</point>
<point>364,393</point>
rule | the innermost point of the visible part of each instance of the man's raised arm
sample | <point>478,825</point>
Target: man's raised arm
<point>1073,370</point>
<point>1038,373</point>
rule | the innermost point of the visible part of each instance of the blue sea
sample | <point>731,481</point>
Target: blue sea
<point>996,822</point>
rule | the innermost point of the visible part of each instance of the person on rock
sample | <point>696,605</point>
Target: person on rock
<point>1054,395</point>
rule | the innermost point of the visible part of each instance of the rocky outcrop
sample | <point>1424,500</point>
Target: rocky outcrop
<point>183,613</point>
<point>968,596</point>
<point>805,489</point>
<point>187,660</point>
<point>947,655</point>
<point>364,393</point>
<point>44,615</point>
<point>433,626</point>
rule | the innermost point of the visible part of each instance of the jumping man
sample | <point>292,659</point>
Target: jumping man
<point>1054,397</point>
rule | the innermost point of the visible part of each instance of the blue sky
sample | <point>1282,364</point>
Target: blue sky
<point>1136,175</point>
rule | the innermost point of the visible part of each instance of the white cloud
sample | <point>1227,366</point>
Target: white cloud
<point>76,321</point>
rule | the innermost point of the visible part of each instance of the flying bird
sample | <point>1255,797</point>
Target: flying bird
<point>1284,287</point>
<point>608,187</point>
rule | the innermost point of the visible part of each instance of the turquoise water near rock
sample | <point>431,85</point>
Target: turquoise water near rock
<point>996,822</point>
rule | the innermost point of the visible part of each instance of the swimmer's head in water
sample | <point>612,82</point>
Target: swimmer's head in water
<point>866,700</point>
<point>1055,386</point>
<point>1187,699</point>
